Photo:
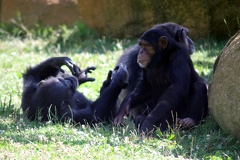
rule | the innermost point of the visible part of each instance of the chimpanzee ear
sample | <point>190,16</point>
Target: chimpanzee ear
<point>163,42</point>
<point>181,36</point>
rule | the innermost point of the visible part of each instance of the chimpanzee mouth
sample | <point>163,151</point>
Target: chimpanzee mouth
<point>142,64</point>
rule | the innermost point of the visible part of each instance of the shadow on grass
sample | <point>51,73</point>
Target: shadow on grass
<point>206,140</point>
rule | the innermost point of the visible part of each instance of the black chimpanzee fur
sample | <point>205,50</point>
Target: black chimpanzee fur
<point>168,88</point>
<point>49,91</point>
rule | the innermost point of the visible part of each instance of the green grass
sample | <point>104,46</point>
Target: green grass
<point>21,139</point>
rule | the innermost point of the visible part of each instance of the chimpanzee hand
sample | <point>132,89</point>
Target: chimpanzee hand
<point>124,110</point>
<point>58,62</point>
<point>120,75</point>
<point>82,75</point>
<point>138,120</point>
<point>107,82</point>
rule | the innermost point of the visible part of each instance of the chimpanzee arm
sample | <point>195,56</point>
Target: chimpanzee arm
<point>103,106</point>
<point>107,82</point>
<point>180,75</point>
<point>140,95</point>
<point>101,109</point>
<point>137,97</point>
<point>50,67</point>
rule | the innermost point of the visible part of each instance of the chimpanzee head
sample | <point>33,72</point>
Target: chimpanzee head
<point>177,32</point>
<point>55,90</point>
<point>156,46</point>
<point>152,43</point>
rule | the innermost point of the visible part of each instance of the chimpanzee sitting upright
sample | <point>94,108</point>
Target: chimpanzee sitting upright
<point>169,85</point>
<point>49,91</point>
<point>129,58</point>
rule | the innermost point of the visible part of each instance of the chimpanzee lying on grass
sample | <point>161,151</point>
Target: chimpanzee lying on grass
<point>49,91</point>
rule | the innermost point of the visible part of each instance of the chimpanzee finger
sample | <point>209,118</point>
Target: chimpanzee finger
<point>90,69</point>
<point>118,121</point>
<point>70,65</point>
<point>84,80</point>
<point>68,62</point>
<point>107,81</point>
<point>119,124</point>
<point>60,61</point>
<point>90,79</point>
<point>76,70</point>
<point>109,75</point>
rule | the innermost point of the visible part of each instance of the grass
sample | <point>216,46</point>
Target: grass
<point>21,139</point>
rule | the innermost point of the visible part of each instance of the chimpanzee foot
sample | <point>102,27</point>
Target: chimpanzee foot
<point>186,122</point>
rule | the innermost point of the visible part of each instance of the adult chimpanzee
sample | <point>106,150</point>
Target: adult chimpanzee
<point>49,91</point>
<point>129,58</point>
<point>169,85</point>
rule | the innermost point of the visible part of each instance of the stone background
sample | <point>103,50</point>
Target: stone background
<point>43,12</point>
<point>129,18</point>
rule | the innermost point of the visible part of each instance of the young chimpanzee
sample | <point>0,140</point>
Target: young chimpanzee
<point>129,58</point>
<point>50,92</point>
<point>169,85</point>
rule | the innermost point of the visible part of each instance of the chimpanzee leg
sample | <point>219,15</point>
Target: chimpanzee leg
<point>197,108</point>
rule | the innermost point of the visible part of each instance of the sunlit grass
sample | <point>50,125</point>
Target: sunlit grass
<point>21,139</point>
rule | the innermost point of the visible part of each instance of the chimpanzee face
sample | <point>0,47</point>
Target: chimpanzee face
<point>147,50</point>
<point>145,54</point>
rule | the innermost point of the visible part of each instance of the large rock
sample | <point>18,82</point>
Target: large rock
<point>121,18</point>
<point>42,12</point>
<point>224,94</point>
